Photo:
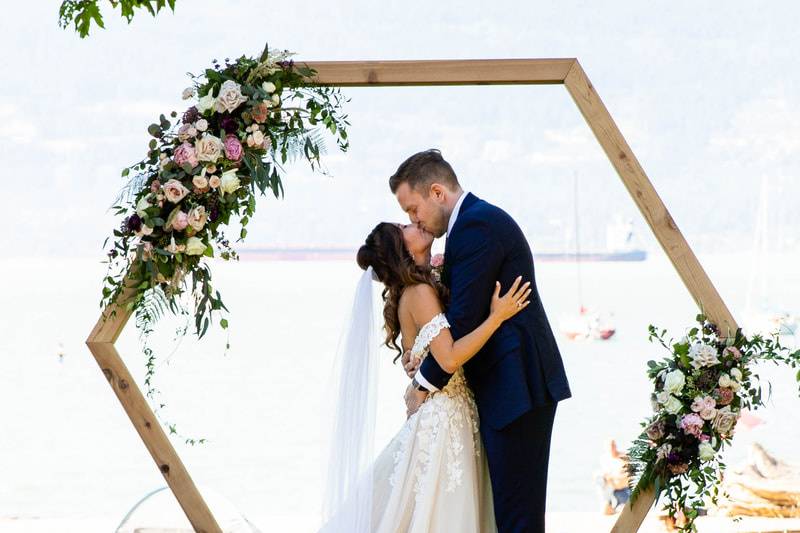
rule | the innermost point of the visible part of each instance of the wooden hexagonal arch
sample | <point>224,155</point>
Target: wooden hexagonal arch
<point>434,72</point>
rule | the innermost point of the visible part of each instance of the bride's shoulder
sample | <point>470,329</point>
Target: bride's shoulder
<point>420,295</point>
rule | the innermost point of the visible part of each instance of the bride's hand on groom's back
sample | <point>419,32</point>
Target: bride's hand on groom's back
<point>512,302</point>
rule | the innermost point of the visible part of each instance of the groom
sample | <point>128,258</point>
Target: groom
<point>518,377</point>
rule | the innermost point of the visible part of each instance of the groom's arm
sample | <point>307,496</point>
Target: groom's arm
<point>475,266</point>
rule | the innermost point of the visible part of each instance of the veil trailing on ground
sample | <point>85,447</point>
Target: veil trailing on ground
<point>348,498</point>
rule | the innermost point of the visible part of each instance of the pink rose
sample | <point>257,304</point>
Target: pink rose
<point>437,260</point>
<point>233,148</point>
<point>706,406</point>
<point>214,182</point>
<point>733,351</point>
<point>692,424</point>
<point>259,112</point>
<point>201,182</point>
<point>174,191</point>
<point>724,395</point>
<point>185,153</point>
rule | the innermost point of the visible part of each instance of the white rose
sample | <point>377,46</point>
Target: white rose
<point>197,217</point>
<point>209,148</point>
<point>201,125</point>
<point>229,181</point>
<point>673,405</point>
<point>276,99</point>
<point>206,102</point>
<point>230,97</point>
<point>268,87</point>
<point>195,246</point>
<point>674,382</point>
<point>706,451</point>
<point>143,204</point>
<point>703,355</point>
<point>736,374</point>
<point>662,397</point>
<point>188,93</point>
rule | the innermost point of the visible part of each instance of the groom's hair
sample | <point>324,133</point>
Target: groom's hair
<point>422,169</point>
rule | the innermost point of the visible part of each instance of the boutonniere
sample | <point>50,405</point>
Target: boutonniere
<point>437,266</point>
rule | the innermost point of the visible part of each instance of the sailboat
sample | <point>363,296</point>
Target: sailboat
<point>586,324</point>
<point>761,317</point>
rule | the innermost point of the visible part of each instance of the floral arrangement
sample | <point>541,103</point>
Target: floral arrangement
<point>700,390</point>
<point>437,266</point>
<point>245,120</point>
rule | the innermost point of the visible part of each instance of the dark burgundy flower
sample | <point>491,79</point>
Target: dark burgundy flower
<point>228,124</point>
<point>212,216</point>
<point>191,115</point>
<point>133,223</point>
<point>286,64</point>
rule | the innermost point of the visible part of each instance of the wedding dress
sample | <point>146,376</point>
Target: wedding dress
<point>433,476</point>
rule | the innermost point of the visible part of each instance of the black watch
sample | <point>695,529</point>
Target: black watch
<point>416,384</point>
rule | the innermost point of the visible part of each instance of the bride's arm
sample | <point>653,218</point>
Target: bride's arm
<point>452,355</point>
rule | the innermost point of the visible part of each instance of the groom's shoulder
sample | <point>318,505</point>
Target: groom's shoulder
<point>483,211</point>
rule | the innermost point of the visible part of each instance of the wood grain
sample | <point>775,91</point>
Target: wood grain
<point>441,72</point>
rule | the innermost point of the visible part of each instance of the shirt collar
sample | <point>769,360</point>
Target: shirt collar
<point>454,214</point>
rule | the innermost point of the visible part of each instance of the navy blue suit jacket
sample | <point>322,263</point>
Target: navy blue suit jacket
<point>520,366</point>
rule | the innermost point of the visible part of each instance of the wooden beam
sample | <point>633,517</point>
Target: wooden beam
<point>146,424</point>
<point>666,231</point>
<point>441,72</point>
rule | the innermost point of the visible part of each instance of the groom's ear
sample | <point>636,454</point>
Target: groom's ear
<point>438,192</point>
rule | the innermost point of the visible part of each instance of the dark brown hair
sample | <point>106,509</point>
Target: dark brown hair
<point>384,250</point>
<point>424,168</point>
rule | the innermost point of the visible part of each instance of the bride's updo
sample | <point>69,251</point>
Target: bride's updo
<point>384,250</point>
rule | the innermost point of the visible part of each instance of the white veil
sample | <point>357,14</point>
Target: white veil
<point>347,506</point>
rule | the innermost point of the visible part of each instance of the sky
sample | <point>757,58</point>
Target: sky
<point>707,95</point>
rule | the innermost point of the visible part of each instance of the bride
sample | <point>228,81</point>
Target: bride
<point>433,475</point>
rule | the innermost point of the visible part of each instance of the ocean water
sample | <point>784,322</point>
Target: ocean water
<point>67,449</point>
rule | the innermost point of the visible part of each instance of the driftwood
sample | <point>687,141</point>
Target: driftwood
<point>764,486</point>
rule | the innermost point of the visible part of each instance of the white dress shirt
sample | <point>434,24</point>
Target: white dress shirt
<point>452,222</point>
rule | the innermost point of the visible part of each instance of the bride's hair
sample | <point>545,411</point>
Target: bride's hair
<point>384,250</point>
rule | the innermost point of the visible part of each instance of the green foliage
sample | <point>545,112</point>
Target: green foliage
<point>82,13</point>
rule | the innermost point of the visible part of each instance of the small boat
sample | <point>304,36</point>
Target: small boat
<point>587,325</point>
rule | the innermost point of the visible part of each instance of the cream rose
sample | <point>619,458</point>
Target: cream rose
<point>200,181</point>
<point>197,217</point>
<point>195,246</point>
<point>673,405</point>
<point>230,97</point>
<point>706,451</point>
<point>674,382</point>
<point>268,87</point>
<point>229,181</point>
<point>214,182</point>
<point>725,420</point>
<point>174,191</point>
<point>209,148</point>
<point>206,102</point>
<point>736,374</point>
